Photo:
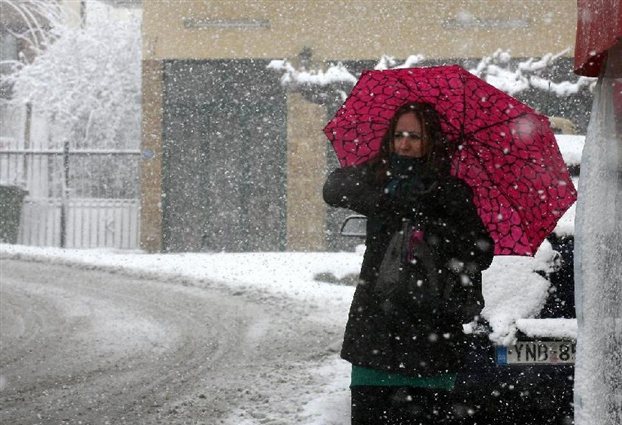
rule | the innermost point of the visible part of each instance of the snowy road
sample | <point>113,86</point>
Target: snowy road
<point>86,346</point>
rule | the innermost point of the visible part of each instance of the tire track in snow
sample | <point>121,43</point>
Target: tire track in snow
<point>96,347</point>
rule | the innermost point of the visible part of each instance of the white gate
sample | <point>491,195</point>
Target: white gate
<point>90,223</point>
<point>76,198</point>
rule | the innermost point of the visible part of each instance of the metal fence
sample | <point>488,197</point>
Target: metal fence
<point>76,198</point>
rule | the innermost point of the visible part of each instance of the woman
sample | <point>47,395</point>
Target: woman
<point>405,342</point>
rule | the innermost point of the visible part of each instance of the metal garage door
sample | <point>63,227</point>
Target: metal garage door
<point>225,129</point>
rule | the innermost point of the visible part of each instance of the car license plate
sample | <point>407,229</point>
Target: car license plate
<point>537,352</point>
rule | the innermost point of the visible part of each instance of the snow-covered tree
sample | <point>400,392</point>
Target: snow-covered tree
<point>39,18</point>
<point>85,81</point>
<point>497,69</point>
<point>514,78</point>
<point>528,80</point>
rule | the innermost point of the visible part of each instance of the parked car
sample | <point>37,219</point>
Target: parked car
<point>521,366</point>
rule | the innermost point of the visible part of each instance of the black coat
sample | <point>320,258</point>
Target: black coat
<point>412,332</point>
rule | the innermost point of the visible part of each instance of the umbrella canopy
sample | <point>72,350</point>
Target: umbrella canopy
<point>506,151</point>
<point>599,26</point>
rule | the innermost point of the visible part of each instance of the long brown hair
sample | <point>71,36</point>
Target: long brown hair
<point>438,152</point>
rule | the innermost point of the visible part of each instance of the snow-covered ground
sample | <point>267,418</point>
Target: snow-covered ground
<point>512,289</point>
<point>514,293</point>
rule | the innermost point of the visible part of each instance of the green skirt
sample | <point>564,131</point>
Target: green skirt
<point>363,376</point>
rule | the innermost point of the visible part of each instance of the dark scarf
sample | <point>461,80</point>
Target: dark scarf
<point>406,166</point>
<point>416,169</point>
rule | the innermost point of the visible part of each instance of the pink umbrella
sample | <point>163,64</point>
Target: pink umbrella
<point>506,151</point>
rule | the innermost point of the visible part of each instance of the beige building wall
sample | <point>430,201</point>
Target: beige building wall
<point>333,30</point>
<point>151,164</point>
<point>306,159</point>
<point>356,29</point>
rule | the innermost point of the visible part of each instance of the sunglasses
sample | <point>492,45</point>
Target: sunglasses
<point>408,135</point>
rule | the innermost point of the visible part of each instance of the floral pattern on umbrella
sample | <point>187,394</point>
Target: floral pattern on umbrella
<point>506,151</point>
